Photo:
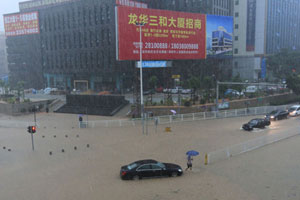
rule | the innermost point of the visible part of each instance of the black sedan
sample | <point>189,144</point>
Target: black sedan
<point>277,115</point>
<point>256,123</point>
<point>149,168</point>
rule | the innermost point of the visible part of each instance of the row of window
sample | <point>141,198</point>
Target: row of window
<point>77,61</point>
<point>88,39</point>
<point>218,11</point>
<point>222,3</point>
<point>76,17</point>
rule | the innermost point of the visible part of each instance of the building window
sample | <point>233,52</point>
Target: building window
<point>236,51</point>
<point>235,64</point>
<point>236,38</point>
<point>236,2</point>
<point>236,14</point>
<point>236,26</point>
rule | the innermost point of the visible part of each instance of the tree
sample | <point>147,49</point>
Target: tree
<point>194,83</point>
<point>237,79</point>
<point>20,87</point>
<point>153,83</point>
<point>284,63</point>
<point>2,85</point>
<point>208,84</point>
<point>293,83</point>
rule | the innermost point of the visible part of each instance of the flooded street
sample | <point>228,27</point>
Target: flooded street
<point>89,166</point>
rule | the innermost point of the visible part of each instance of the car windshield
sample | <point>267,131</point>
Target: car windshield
<point>132,166</point>
<point>253,122</point>
<point>274,112</point>
<point>292,109</point>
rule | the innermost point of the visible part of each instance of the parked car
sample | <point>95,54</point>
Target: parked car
<point>277,115</point>
<point>147,92</point>
<point>256,123</point>
<point>166,90</point>
<point>294,110</point>
<point>251,89</point>
<point>186,91</point>
<point>149,168</point>
<point>233,92</point>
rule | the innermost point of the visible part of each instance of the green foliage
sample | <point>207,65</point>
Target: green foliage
<point>202,101</point>
<point>186,102</point>
<point>207,83</point>
<point>194,83</point>
<point>293,83</point>
<point>237,78</point>
<point>11,100</point>
<point>284,63</point>
<point>153,82</point>
<point>169,102</point>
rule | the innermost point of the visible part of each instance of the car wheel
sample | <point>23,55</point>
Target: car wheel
<point>135,177</point>
<point>174,174</point>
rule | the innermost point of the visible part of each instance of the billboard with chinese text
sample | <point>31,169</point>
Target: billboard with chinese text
<point>166,35</point>
<point>21,24</point>
<point>219,31</point>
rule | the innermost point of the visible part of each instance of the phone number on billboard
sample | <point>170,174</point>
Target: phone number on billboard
<point>150,45</point>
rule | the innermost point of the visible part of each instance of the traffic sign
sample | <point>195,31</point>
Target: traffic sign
<point>176,76</point>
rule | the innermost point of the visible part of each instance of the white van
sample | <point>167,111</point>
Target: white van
<point>251,89</point>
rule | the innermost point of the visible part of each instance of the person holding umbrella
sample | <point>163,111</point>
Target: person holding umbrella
<point>190,159</point>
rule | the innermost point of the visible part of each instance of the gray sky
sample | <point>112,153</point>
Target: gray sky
<point>8,6</point>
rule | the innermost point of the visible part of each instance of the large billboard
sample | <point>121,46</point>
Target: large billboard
<point>219,31</point>
<point>166,35</point>
<point>21,24</point>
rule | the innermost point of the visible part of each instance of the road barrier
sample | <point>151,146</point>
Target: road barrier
<point>169,119</point>
<point>250,145</point>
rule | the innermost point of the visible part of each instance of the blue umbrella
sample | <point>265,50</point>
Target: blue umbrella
<point>192,153</point>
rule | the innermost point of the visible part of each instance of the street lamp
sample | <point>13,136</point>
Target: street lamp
<point>141,24</point>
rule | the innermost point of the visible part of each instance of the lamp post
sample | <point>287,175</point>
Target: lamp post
<point>141,24</point>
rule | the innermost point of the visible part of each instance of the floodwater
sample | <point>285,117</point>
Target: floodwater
<point>89,166</point>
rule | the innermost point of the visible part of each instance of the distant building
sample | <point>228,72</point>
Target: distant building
<point>3,57</point>
<point>261,28</point>
<point>76,44</point>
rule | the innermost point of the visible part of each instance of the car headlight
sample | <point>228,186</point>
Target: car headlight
<point>272,117</point>
<point>180,170</point>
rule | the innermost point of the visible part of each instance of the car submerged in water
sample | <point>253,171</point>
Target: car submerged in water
<point>256,123</point>
<point>149,168</point>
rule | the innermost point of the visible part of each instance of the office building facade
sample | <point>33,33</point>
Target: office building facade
<point>261,28</point>
<point>3,57</point>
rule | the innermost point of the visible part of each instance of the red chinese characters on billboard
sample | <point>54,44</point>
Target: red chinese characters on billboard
<point>166,35</point>
<point>21,24</point>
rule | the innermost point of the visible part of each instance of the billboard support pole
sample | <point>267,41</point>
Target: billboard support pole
<point>141,75</point>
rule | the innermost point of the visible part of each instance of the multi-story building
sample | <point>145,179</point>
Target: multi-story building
<point>261,28</point>
<point>3,60</point>
<point>221,40</point>
<point>76,44</point>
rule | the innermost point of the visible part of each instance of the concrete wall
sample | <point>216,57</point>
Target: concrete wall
<point>22,108</point>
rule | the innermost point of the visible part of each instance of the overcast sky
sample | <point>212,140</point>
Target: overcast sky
<point>8,6</point>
